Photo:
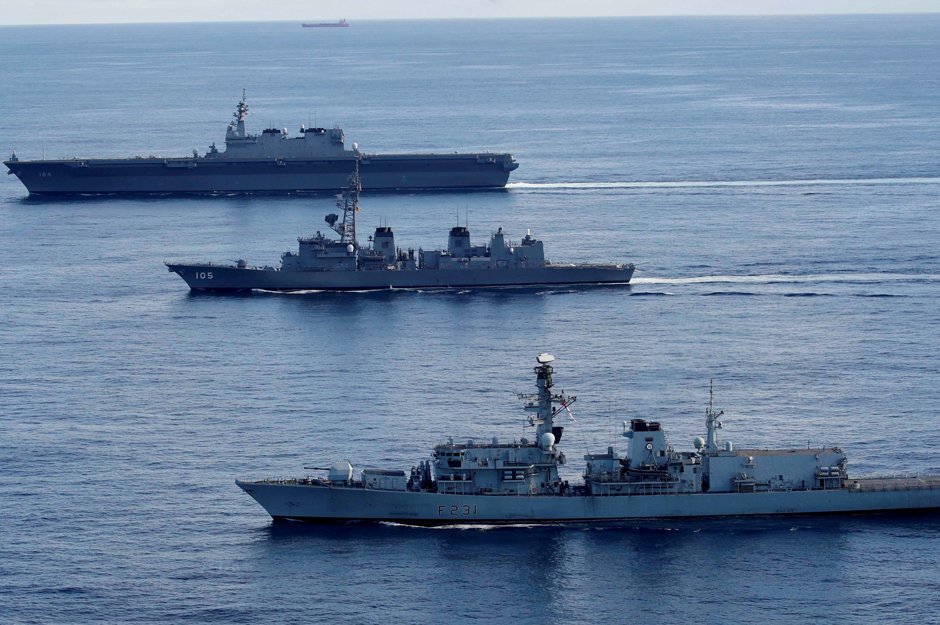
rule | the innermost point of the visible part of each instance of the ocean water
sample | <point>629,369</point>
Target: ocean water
<point>775,180</point>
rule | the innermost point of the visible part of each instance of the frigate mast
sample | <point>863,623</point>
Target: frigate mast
<point>711,420</point>
<point>541,403</point>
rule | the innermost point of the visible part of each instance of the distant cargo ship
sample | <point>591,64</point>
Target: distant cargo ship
<point>339,24</point>
<point>272,162</point>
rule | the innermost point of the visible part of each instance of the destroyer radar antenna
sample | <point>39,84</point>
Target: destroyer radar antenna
<point>350,205</point>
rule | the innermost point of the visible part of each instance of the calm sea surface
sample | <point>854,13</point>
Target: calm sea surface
<point>775,180</point>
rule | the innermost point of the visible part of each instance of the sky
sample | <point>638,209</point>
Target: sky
<point>14,12</point>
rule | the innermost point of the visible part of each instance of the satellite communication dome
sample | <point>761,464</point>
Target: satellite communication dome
<point>548,439</point>
<point>349,249</point>
<point>699,442</point>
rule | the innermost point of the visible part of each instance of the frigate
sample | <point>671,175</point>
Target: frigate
<point>322,263</point>
<point>518,482</point>
<point>273,162</point>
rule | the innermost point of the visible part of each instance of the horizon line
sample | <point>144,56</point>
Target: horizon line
<point>494,18</point>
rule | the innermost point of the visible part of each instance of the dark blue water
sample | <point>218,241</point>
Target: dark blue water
<point>776,181</point>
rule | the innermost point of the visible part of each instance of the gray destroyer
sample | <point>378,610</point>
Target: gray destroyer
<point>518,481</point>
<point>322,263</point>
<point>272,162</point>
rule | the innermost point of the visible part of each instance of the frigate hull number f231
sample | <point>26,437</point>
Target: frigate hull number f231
<point>457,510</point>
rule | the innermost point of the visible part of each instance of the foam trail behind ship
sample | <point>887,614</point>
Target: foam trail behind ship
<point>692,184</point>
<point>868,278</point>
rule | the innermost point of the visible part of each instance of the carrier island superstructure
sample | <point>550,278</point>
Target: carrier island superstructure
<point>272,162</point>
<point>518,482</point>
<point>343,264</point>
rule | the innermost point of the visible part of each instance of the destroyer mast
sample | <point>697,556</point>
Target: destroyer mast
<point>349,205</point>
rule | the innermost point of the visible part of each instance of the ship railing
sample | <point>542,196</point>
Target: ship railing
<point>300,481</point>
<point>191,264</point>
<point>894,483</point>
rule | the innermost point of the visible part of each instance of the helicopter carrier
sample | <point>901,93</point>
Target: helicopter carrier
<point>322,263</point>
<point>273,162</point>
<point>518,482</point>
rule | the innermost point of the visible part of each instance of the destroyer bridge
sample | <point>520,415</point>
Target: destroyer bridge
<point>518,482</point>
<point>315,160</point>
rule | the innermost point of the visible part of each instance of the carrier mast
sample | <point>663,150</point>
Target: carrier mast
<point>241,112</point>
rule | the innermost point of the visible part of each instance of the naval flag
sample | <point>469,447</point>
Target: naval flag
<point>565,406</point>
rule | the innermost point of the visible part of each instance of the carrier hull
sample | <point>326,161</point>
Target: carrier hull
<point>325,504</point>
<point>228,278</point>
<point>205,175</point>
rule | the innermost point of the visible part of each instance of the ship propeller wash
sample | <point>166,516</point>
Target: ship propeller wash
<point>322,263</point>
<point>519,482</point>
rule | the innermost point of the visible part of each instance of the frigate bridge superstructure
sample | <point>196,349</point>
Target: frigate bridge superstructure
<point>518,482</point>
<point>316,160</point>
<point>322,263</point>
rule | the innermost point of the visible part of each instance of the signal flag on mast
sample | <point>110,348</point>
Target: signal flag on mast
<point>565,406</point>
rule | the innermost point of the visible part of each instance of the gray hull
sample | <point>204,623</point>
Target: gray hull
<point>261,175</point>
<point>228,278</point>
<point>324,504</point>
